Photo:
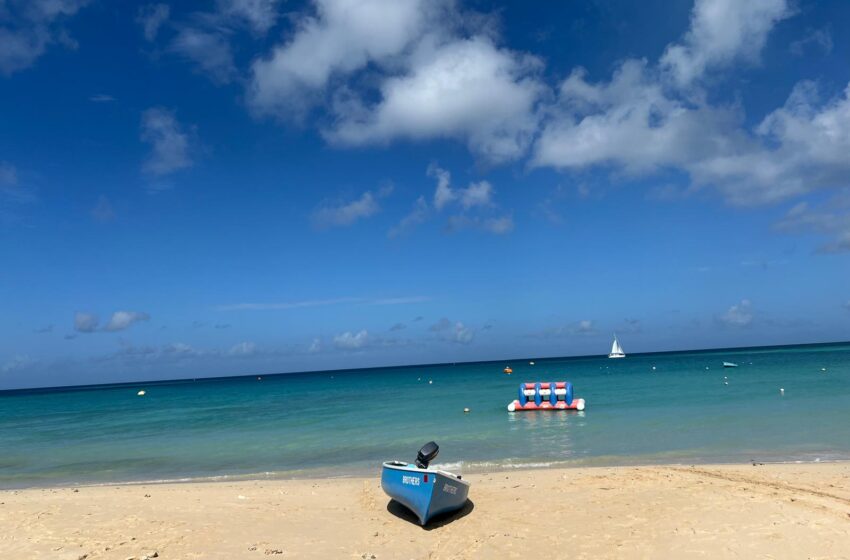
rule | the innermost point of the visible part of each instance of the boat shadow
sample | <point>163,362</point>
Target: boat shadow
<point>402,512</point>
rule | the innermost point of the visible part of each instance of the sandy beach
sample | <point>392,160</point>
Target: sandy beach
<point>728,511</point>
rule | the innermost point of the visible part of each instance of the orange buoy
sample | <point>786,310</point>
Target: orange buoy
<point>508,370</point>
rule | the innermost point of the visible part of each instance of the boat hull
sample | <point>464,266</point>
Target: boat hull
<point>577,404</point>
<point>425,492</point>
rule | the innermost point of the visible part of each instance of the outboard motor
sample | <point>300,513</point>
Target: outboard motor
<point>427,454</point>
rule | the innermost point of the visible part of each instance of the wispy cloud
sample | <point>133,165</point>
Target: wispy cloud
<point>820,39</point>
<point>101,98</point>
<point>151,18</point>
<point>103,211</point>
<point>169,140</point>
<point>321,303</point>
<point>454,331</point>
<point>338,213</point>
<point>85,322</point>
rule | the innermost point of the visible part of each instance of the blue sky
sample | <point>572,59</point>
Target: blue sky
<point>254,186</point>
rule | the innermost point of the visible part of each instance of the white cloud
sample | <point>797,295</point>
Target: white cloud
<point>444,193</point>
<point>169,142</point>
<point>832,219</point>
<point>120,320</point>
<point>85,322</point>
<point>210,50</point>
<point>584,327</point>
<point>417,216</point>
<point>243,349</point>
<point>819,38</point>
<point>477,194</point>
<point>315,346</point>
<point>340,213</point>
<point>18,362</point>
<point>101,98</point>
<point>341,37</point>
<point>151,17</point>
<point>467,89</point>
<point>351,341</point>
<point>260,15</point>
<point>739,315</point>
<point>722,32</point>
<point>29,27</point>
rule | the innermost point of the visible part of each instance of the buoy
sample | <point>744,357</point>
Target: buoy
<point>823,369</point>
<point>141,393</point>
<point>782,391</point>
<point>726,383</point>
<point>508,370</point>
<point>259,378</point>
<point>430,382</point>
<point>653,368</point>
<point>418,379</point>
<point>466,411</point>
<point>531,363</point>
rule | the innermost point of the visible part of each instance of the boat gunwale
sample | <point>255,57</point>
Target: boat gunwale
<point>389,465</point>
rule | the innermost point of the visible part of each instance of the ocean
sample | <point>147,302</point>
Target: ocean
<point>688,409</point>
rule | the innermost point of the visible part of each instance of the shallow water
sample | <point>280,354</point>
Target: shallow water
<point>346,423</point>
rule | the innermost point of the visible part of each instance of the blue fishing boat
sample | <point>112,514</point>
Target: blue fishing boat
<point>424,491</point>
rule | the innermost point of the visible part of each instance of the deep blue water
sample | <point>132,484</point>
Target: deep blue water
<point>344,423</point>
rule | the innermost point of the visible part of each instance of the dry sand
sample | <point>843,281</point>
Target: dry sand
<point>772,511</point>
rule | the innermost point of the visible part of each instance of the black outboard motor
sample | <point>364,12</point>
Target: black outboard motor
<point>427,454</point>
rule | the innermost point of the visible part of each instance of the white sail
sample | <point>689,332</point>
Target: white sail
<point>616,349</point>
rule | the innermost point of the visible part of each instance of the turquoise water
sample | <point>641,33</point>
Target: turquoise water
<point>345,423</point>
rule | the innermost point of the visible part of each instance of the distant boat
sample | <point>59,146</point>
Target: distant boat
<point>426,492</point>
<point>729,364</point>
<point>616,349</point>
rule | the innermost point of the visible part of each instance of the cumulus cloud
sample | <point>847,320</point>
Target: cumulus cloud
<point>85,322</point>
<point>151,17</point>
<point>169,140</point>
<point>585,326</point>
<point>121,320</point>
<point>467,89</point>
<point>345,213</point>
<point>29,27</point>
<point>739,315</point>
<point>722,32</point>
<point>443,193</point>
<point>339,37</point>
<point>351,341</point>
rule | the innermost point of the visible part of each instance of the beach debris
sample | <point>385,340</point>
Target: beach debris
<point>149,555</point>
<point>466,410</point>
<point>141,393</point>
<point>272,551</point>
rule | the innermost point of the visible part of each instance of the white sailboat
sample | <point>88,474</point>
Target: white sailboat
<point>616,349</point>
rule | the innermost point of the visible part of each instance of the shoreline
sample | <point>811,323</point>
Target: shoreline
<point>787,510</point>
<point>485,468</point>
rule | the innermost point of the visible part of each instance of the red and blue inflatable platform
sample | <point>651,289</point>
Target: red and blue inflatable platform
<point>553,395</point>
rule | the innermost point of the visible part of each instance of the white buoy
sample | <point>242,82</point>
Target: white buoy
<point>781,392</point>
<point>726,383</point>
<point>430,382</point>
<point>141,393</point>
<point>653,368</point>
<point>531,363</point>
<point>466,411</point>
<point>706,367</point>
<point>823,369</point>
<point>511,407</point>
